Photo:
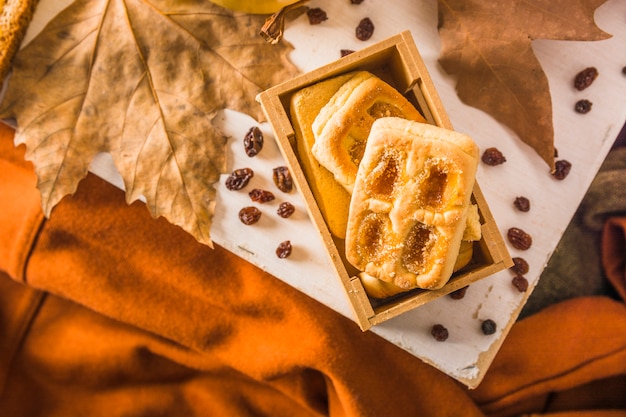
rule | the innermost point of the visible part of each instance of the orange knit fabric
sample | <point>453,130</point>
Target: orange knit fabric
<point>105,311</point>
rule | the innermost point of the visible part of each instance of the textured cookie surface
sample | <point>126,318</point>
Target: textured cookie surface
<point>342,126</point>
<point>409,208</point>
<point>378,288</point>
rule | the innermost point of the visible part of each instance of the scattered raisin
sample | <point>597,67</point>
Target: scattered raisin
<point>284,249</point>
<point>253,141</point>
<point>261,196</point>
<point>439,332</point>
<point>282,179</point>
<point>624,70</point>
<point>488,327</point>
<point>458,294</point>
<point>493,156</point>
<point>583,106</point>
<point>522,204</point>
<point>285,209</point>
<point>519,238</point>
<point>239,178</point>
<point>561,169</point>
<point>365,29</point>
<point>520,282</point>
<point>316,15</point>
<point>585,77</point>
<point>346,52</point>
<point>356,1</point>
<point>249,215</point>
<point>520,266</point>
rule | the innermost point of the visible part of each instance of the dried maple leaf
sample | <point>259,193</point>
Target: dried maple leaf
<point>141,80</point>
<point>487,45</point>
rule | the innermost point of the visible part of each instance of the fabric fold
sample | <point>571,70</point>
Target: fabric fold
<point>569,344</point>
<point>18,307</point>
<point>21,215</point>
<point>614,253</point>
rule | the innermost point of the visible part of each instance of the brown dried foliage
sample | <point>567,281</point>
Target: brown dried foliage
<point>141,80</point>
<point>487,46</point>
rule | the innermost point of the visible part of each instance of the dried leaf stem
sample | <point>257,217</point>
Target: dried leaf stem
<point>272,30</point>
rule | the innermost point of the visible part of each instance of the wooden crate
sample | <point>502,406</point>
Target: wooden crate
<point>397,61</point>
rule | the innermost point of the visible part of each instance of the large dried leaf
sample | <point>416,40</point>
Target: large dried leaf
<point>141,80</point>
<point>487,45</point>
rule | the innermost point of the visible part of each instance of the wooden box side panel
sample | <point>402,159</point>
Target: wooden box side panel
<point>493,238</point>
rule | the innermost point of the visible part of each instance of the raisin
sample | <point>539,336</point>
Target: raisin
<point>624,70</point>
<point>316,15</point>
<point>522,204</point>
<point>520,282</point>
<point>520,266</point>
<point>585,77</point>
<point>346,52</point>
<point>253,141</point>
<point>583,106</point>
<point>488,327</point>
<point>439,332</point>
<point>285,209</point>
<point>492,157</point>
<point>519,238</point>
<point>365,29</point>
<point>239,178</point>
<point>561,169</point>
<point>249,215</point>
<point>261,196</point>
<point>356,1</point>
<point>282,179</point>
<point>284,249</point>
<point>458,294</point>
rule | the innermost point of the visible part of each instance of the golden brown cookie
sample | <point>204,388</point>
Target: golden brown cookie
<point>410,203</point>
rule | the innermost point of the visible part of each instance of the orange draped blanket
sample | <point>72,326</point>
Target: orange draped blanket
<point>105,311</point>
